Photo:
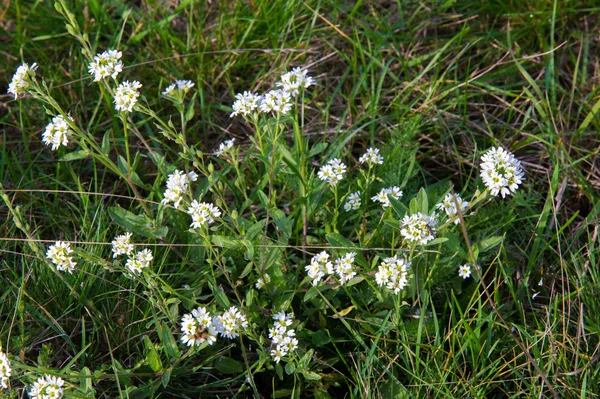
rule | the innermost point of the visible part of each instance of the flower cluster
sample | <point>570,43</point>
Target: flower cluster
<point>202,213</point>
<point>385,193</point>
<point>47,387</point>
<point>393,273</point>
<point>5,369</point>
<point>418,228</point>
<point>59,255</point>
<point>262,281</point>
<point>276,101</point>
<point>141,260</point>
<point>501,171</point>
<point>178,89</point>
<point>106,64</point>
<point>224,147</point>
<point>127,95</point>
<point>464,271</point>
<point>343,267</point>
<point>231,323</point>
<point>22,80</point>
<point>449,205</point>
<point>245,104</point>
<point>353,202</point>
<point>283,336</point>
<point>320,266</point>
<point>332,172</point>
<point>371,157</point>
<point>122,245</point>
<point>177,186</point>
<point>58,132</point>
<point>295,80</point>
<point>197,327</point>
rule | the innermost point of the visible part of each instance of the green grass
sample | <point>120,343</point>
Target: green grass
<point>433,84</point>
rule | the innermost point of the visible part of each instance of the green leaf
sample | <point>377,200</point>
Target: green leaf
<point>282,222</point>
<point>264,200</point>
<point>436,241</point>
<point>167,339</point>
<point>122,163</point>
<point>290,368</point>
<point>338,240</point>
<point>73,156</point>
<point>225,242</point>
<point>220,296</point>
<point>135,223</point>
<point>106,143</point>
<point>490,243</point>
<point>246,270</point>
<point>314,291</point>
<point>227,365</point>
<point>320,338</point>
<point>317,149</point>
<point>311,375</point>
<point>398,207</point>
<point>152,356</point>
<point>256,228</point>
<point>422,201</point>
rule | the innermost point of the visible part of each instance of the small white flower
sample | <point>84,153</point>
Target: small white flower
<point>333,172</point>
<point>140,261</point>
<point>295,80</point>
<point>245,104</point>
<point>418,228</point>
<point>318,267</point>
<point>106,64</point>
<point>197,327</point>
<point>47,387</point>
<point>371,157</point>
<point>393,273</point>
<point>177,187</point>
<point>343,267</point>
<point>59,255</point>
<point>202,213</point>
<point>224,147</point>
<point>282,335</point>
<point>5,369</point>
<point>262,281</point>
<point>127,95</point>
<point>178,89</point>
<point>122,245</point>
<point>385,193</point>
<point>501,171</point>
<point>353,202</point>
<point>277,101</point>
<point>58,132</point>
<point>22,80</point>
<point>231,323</point>
<point>464,271</point>
<point>449,206</point>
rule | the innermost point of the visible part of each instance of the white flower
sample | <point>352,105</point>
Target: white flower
<point>278,101</point>
<point>179,88</point>
<point>58,254</point>
<point>106,64</point>
<point>385,193</point>
<point>418,228</point>
<point>140,261</point>
<point>343,267</point>
<point>22,79</point>
<point>224,147</point>
<point>231,323</point>
<point>464,271</point>
<point>501,171</point>
<point>122,245</point>
<point>282,335</point>
<point>262,281</point>
<point>392,273</point>
<point>47,387</point>
<point>371,157</point>
<point>318,266</point>
<point>245,104</point>
<point>449,206</point>
<point>197,327</point>
<point>177,186</point>
<point>127,95</point>
<point>295,80</point>
<point>332,172</point>
<point>5,369</point>
<point>202,213</point>
<point>58,132</point>
<point>353,202</point>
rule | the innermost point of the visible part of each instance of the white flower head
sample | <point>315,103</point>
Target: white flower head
<point>344,267</point>
<point>318,267</point>
<point>224,147</point>
<point>449,206</point>
<point>177,187</point>
<point>141,260</point>
<point>464,271</point>
<point>295,80</point>
<point>197,327</point>
<point>202,213</point>
<point>371,157</point>
<point>282,336</point>
<point>58,132</point>
<point>385,193</point>
<point>106,64</point>
<point>127,95</point>
<point>393,273</point>
<point>418,228</point>
<point>22,80</point>
<point>262,281</point>
<point>245,104</point>
<point>501,171</point>
<point>178,89</point>
<point>5,369</point>
<point>333,172</point>
<point>59,255</point>
<point>353,202</point>
<point>47,387</point>
<point>276,101</point>
<point>231,323</point>
<point>122,245</point>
